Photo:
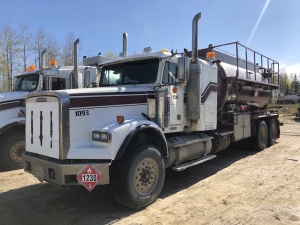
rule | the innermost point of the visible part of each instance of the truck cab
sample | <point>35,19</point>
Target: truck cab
<point>12,104</point>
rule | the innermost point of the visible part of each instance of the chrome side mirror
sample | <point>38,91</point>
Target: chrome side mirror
<point>87,78</point>
<point>183,69</point>
<point>48,82</point>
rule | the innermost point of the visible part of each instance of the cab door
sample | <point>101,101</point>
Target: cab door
<point>176,93</point>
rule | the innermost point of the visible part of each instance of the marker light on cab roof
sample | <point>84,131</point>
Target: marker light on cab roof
<point>53,63</point>
<point>210,56</point>
<point>31,68</point>
<point>164,50</point>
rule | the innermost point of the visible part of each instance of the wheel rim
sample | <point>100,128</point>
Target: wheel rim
<point>263,136</point>
<point>16,151</point>
<point>146,176</point>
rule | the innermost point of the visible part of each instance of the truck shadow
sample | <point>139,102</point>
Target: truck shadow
<point>195,174</point>
<point>297,119</point>
<point>46,204</point>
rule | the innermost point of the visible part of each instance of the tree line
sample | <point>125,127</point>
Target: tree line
<point>22,47</point>
<point>289,84</point>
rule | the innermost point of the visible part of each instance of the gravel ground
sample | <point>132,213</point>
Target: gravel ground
<point>240,186</point>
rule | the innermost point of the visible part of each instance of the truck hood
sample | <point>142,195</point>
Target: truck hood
<point>119,89</point>
<point>108,96</point>
<point>14,95</point>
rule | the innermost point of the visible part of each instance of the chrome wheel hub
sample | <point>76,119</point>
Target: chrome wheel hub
<point>16,151</point>
<point>146,176</point>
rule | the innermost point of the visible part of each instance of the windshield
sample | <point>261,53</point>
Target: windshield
<point>137,72</point>
<point>27,83</point>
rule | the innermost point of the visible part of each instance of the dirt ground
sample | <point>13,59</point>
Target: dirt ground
<point>240,186</point>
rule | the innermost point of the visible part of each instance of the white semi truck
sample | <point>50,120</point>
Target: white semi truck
<point>152,111</point>
<point>12,111</point>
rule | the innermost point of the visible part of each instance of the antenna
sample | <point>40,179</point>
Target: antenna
<point>139,37</point>
<point>175,27</point>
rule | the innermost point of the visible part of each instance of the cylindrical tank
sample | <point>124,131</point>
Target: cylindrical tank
<point>250,88</point>
<point>179,155</point>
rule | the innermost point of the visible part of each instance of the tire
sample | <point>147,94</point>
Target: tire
<point>137,181</point>
<point>260,140</point>
<point>272,132</point>
<point>11,150</point>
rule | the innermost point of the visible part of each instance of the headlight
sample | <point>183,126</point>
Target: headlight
<point>101,136</point>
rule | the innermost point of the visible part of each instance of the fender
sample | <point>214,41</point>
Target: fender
<point>11,125</point>
<point>121,136</point>
<point>133,132</point>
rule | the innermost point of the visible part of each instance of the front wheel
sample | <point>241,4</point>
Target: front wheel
<point>11,150</point>
<point>138,181</point>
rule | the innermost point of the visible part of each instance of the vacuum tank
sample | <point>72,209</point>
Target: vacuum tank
<point>241,81</point>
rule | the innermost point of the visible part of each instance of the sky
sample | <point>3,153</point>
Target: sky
<point>270,27</point>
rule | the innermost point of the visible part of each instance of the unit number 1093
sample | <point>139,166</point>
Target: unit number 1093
<point>82,113</point>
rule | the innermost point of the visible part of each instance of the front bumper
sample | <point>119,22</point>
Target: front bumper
<point>61,174</point>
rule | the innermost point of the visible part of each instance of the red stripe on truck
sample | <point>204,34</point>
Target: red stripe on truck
<point>9,105</point>
<point>77,102</point>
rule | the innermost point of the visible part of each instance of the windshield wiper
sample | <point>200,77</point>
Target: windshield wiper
<point>133,82</point>
<point>104,85</point>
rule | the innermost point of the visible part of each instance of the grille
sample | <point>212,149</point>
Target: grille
<point>42,126</point>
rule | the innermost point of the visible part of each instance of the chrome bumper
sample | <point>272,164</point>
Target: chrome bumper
<point>61,174</point>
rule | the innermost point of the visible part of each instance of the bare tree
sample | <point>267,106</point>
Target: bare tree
<point>52,48</point>
<point>25,43</point>
<point>110,55</point>
<point>2,67</point>
<point>10,42</point>
<point>67,56</point>
<point>39,45</point>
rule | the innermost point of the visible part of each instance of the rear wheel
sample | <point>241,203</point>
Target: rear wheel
<point>272,132</point>
<point>11,150</point>
<point>260,140</point>
<point>139,179</point>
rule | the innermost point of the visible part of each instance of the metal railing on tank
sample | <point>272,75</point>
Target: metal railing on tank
<point>258,64</point>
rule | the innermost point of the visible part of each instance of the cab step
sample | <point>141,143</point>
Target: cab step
<point>193,163</point>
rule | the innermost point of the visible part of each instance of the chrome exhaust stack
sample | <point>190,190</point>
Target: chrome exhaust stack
<point>43,60</point>
<point>75,75</point>
<point>195,37</point>
<point>193,87</point>
<point>125,45</point>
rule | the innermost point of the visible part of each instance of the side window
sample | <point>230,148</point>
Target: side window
<point>169,68</point>
<point>113,76</point>
<point>58,83</point>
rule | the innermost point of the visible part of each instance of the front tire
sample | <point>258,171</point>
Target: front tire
<point>260,140</point>
<point>138,180</point>
<point>11,150</point>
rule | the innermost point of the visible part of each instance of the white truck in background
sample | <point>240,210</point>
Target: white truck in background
<point>152,111</point>
<point>12,111</point>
